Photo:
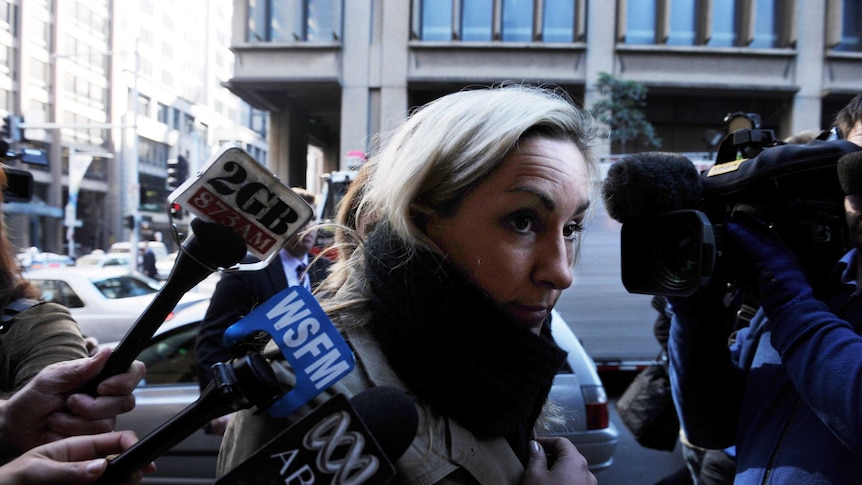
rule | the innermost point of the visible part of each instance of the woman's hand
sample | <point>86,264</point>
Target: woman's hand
<point>556,461</point>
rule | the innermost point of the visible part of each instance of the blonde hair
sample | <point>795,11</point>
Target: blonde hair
<point>444,149</point>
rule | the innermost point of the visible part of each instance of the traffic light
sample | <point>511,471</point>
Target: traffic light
<point>129,221</point>
<point>172,181</point>
<point>176,210</point>
<point>11,128</point>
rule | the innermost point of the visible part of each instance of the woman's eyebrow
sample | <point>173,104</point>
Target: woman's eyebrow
<point>546,200</point>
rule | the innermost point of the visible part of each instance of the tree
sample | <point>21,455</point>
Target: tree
<point>621,109</point>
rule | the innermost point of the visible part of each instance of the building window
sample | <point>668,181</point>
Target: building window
<point>517,20</point>
<point>640,22</point>
<point>743,23</point>
<point>476,20</point>
<point>558,20</point>
<point>765,25</point>
<point>294,20</point>
<point>851,24</point>
<point>436,21</point>
<point>683,23</point>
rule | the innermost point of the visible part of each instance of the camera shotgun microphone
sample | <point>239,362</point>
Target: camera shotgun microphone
<point>850,173</point>
<point>651,183</point>
<point>341,441</point>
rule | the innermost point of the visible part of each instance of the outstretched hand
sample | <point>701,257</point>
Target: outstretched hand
<point>48,408</point>
<point>75,460</point>
<point>556,461</point>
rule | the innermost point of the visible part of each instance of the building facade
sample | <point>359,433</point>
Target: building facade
<point>109,91</point>
<point>332,73</point>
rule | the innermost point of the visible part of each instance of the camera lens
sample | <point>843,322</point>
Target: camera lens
<point>667,254</point>
<point>676,261</point>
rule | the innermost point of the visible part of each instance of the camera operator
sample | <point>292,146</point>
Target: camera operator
<point>787,391</point>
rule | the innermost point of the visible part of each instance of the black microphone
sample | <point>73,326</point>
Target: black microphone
<point>850,173</point>
<point>209,246</point>
<point>353,442</point>
<point>651,183</point>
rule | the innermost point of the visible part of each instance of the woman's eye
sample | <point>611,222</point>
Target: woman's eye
<point>571,230</point>
<point>522,223</point>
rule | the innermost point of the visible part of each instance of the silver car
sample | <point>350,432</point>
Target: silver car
<point>171,385</point>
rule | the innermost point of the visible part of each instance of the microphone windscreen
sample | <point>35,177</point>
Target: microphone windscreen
<point>850,173</point>
<point>390,416</point>
<point>651,183</point>
<point>215,244</point>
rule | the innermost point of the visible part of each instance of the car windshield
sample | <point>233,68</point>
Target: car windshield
<point>124,287</point>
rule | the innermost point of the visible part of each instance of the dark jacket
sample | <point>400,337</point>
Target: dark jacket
<point>786,393</point>
<point>235,295</point>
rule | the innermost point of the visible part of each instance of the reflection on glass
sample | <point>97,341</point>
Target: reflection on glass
<point>682,23</point>
<point>765,24</point>
<point>723,29</point>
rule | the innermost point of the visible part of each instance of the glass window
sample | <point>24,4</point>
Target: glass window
<point>559,21</point>
<point>257,20</point>
<point>124,287</point>
<point>765,24</point>
<point>58,292</point>
<point>170,358</point>
<point>682,23</point>
<point>850,28</point>
<point>319,20</point>
<point>281,21</point>
<point>723,25</point>
<point>640,22</point>
<point>476,19</point>
<point>436,20</point>
<point>517,20</point>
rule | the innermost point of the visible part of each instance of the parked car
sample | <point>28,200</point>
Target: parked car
<point>34,259</point>
<point>104,301</point>
<point>159,248</point>
<point>102,259</point>
<point>171,385</point>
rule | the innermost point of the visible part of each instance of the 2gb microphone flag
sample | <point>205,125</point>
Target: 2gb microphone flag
<point>234,190</point>
<point>309,341</point>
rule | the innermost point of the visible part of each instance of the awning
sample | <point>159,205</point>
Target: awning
<point>33,209</point>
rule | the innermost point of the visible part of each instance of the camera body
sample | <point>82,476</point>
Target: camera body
<point>793,189</point>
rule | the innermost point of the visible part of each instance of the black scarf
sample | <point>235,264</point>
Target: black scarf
<point>453,348</point>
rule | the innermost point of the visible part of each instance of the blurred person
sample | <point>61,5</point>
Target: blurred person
<point>43,362</point>
<point>785,393</point>
<point>147,260</point>
<point>468,226</point>
<point>70,461</point>
<point>238,292</point>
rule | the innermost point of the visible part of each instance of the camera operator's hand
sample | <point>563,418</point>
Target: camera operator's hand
<point>781,281</point>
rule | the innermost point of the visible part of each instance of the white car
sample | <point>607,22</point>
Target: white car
<point>104,301</point>
<point>171,385</point>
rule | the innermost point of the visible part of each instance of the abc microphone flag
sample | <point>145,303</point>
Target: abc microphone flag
<point>340,442</point>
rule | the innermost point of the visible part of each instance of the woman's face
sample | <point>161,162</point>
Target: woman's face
<point>513,236</point>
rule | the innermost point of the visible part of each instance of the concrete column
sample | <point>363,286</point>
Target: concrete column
<point>288,148</point>
<point>806,110</point>
<point>601,18</point>
<point>355,102</point>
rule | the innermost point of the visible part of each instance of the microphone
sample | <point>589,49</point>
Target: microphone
<point>309,341</point>
<point>208,247</point>
<point>651,183</point>
<point>345,442</point>
<point>240,206</point>
<point>850,173</point>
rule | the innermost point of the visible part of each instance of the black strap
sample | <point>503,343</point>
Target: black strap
<point>13,309</point>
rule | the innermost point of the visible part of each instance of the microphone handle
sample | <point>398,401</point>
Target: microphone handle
<point>245,382</point>
<point>187,273</point>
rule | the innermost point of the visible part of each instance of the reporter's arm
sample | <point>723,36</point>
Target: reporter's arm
<point>75,460</point>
